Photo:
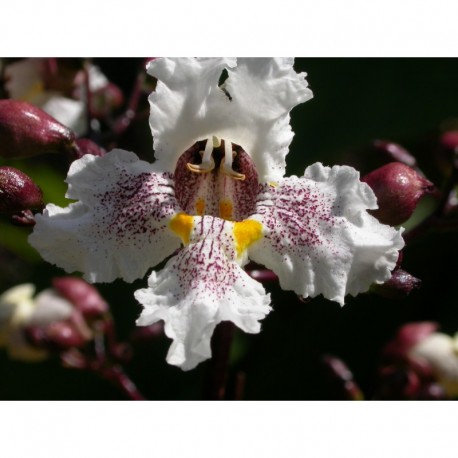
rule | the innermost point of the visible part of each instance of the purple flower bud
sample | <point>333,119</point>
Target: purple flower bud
<point>449,140</point>
<point>64,335</point>
<point>85,146</point>
<point>23,218</point>
<point>399,286</point>
<point>408,336</point>
<point>26,130</point>
<point>398,189</point>
<point>82,295</point>
<point>394,152</point>
<point>145,334</point>
<point>18,191</point>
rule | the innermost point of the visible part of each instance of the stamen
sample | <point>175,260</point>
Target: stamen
<point>208,163</point>
<point>226,168</point>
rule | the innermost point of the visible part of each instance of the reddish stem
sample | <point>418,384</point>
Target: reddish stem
<point>116,375</point>
<point>217,369</point>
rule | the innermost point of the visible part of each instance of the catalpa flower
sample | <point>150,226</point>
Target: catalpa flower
<point>214,198</point>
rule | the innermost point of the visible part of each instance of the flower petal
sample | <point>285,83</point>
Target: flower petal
<point>263,93</point>
<point>119,227</point>
<point>200,287</point>
<point>251,108</point>
<point>440,351</point>
<point>318,237</point>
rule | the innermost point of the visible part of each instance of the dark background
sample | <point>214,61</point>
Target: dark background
<point>408,101</point>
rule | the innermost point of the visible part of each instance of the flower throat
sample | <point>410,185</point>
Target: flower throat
<point>216,178</point>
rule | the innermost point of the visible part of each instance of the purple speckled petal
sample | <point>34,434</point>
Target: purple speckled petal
<point>318,236</point>
<point>118,227</point>
<point>200,287</point>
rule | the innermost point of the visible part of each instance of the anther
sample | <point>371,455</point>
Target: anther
<point>226,167</point>
<point>208,163</point>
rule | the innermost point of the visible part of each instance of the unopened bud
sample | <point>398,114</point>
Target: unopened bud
<point>398,189</point>
<point>64,335</point>
<point>81,294</point>
<point>407,337</point>
<point>23,218</point>
<point>394,152</point>
<point>449,140</point>
<point>85,146</point>
<point>399,286</point>
<point>26,130</point>
<point>18,191</point>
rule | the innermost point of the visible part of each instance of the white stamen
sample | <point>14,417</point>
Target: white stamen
<point>208,163</point>
<point>226,168</point>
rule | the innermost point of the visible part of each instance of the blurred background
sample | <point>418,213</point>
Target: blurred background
<point>356,101</point>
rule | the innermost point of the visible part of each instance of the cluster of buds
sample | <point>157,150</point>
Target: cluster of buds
<point>419,363</point>
<point>56,320</point>
<point>67,89</point>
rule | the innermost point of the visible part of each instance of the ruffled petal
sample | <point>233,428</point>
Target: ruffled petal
<point>318,236</point>
<point>119,226</point>
<point>250,109</point>
<point>200,287</point>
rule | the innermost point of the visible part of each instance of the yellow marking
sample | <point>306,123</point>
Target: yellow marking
<point>200,206</point>
<point>274,184</point>
<point>225,209</point>
<point>182,225</point>
<point>36,89</point>
<point>246,233</point>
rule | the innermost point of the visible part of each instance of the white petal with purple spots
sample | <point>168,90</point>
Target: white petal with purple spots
<point>118,227</point>
<point>318,236</point>
<point>200,287</point>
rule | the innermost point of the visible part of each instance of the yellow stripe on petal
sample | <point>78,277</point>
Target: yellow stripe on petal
<point>200,206</point>
<point>226,209</point>
<point>182,224</point>
<point>246,233</point>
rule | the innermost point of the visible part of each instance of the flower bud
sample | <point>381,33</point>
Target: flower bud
<point>63,335</point>
<point>18,191</point>
<point>399,286</point>
<point>449,140</point>
<point>407,337</point>
<point>85,146</point>
<point>394,152</point>
<point>23,218</point>
<point>398,189</point>
<point>81,294</point>
<point>26,130</point>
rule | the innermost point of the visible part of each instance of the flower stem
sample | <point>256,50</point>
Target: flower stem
<point>116,375</point>
<point>217,369</point>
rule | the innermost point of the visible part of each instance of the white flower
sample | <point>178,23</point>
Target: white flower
<point>25,81</point>
<point>217,194</point>
<point>440,351</point>
<point>19,309</point>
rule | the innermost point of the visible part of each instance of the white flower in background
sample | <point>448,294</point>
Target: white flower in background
<point>440,352</point>
<point>216,193</point>
<point>26,81</point>
<point>19,310</point>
